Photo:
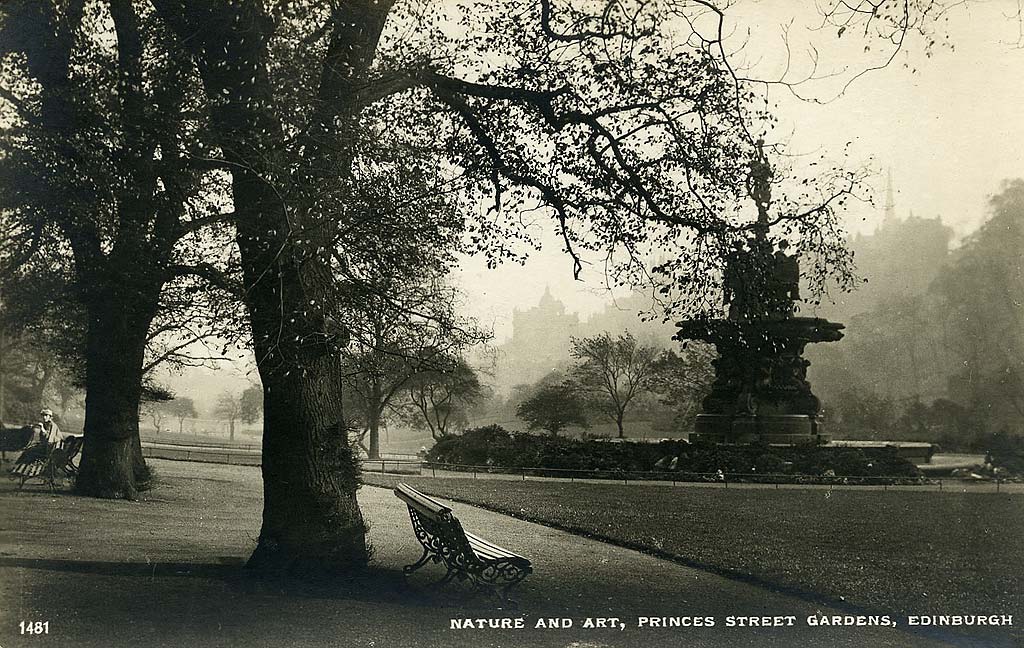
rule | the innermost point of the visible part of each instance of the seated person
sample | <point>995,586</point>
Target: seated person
<point>46,435</point>
<point>50,431</point>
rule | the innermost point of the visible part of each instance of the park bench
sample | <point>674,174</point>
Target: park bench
<point>465,555</point>
<point>50,466</point>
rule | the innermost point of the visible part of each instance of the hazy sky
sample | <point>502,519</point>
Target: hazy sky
<point>949,132</point>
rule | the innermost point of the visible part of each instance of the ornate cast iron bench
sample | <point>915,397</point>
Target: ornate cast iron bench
<point>49,466</point>
<point>465,555</point>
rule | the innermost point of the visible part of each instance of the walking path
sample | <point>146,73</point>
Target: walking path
<point>166,572</point>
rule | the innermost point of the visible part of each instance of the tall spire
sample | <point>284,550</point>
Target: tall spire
<point>890,201</point>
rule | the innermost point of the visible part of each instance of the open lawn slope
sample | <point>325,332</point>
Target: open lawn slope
<point>167,571</point>
<point>896,552</point>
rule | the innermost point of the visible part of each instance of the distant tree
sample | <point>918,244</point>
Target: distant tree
<point>525,391</point>
<point>407,328</point>
<point>228,408</point>
<point>613,371</point>
<point>39,357</point>
<point>158,414</point>
<point>441,397</point>
<point>377,379</point>
<point>251,405</point>
<point>26,374</point>
<point>682,380</point>
<point>181,409</point>
<point>981,295</point>
<point>68,391</point>
<point>553,408</point>
<point>950,424</point>
<point>862,414</point>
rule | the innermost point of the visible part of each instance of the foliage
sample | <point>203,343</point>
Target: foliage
<point>478,446</point>
<point>613,371</point>
<point>942,421</point>
<point>981,293</point>
<point>409,326</point>
<point>114,111</point>
<point>682,381</point>
<point>181,408</point>
<point>101,201</point>
<point>27,374</point>
<point>936,356</point>
<point>553,408</point>
<point>442,395</point>
<point>493,446</point>
<point>864,415</point>
<point>228,408</point>
<point>250,406</point>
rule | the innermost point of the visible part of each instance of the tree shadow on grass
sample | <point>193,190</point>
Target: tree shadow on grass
<point>374,585</point>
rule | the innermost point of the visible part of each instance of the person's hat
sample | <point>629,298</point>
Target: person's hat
<point>46,412</point>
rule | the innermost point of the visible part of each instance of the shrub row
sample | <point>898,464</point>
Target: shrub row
<point>494,446</point>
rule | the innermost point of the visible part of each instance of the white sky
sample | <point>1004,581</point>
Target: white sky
<point>950,133</point>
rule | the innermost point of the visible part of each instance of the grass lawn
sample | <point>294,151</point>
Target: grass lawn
<point>895,552</point>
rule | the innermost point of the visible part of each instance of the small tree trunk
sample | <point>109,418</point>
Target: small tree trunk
<point>231,429</point>
<point>618,422</point>
<point>373,447</point>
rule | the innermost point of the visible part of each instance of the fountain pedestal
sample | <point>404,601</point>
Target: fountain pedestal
<point>760,392</point>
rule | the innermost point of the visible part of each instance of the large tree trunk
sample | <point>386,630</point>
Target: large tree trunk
<point>312,524</point>
<point>311,520</point>
<point>112,464</point>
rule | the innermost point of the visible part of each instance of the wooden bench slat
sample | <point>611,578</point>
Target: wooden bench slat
<point>405,491</point>
<point>479,544</point>
<point>422,503</point>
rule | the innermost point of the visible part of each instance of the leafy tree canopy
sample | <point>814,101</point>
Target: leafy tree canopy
<point>553,408</point>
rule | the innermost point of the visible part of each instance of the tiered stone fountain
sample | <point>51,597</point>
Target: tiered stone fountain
<point>760,392</point>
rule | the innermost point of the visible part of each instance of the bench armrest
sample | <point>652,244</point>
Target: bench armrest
<point>423,504</point>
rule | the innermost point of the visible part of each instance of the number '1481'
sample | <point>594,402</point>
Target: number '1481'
<point>34,627</point>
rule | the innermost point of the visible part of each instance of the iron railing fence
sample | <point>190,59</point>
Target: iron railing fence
<point>223,445</point>
<point>406,466</point>
<point>722,479</point>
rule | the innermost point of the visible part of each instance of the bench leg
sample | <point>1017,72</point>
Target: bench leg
<point>424,559</point>
<point>451,573</point>
<point>502,594</point>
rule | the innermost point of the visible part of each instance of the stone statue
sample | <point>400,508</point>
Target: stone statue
<point>734,280</point>
<point>759,184</point>
<point>785,281</point>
